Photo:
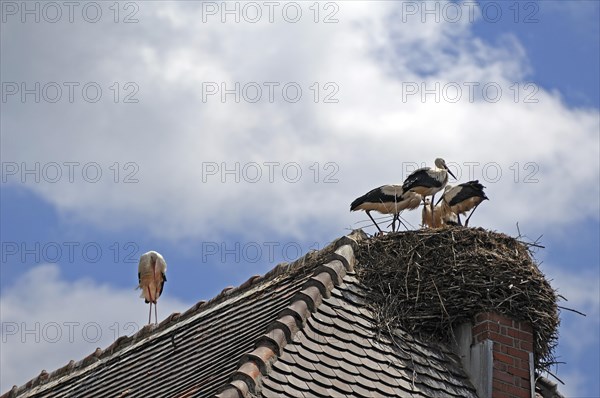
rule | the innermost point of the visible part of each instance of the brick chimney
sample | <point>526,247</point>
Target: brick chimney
<point>497,353</point>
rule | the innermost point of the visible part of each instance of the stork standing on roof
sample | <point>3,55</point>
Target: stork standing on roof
<point>387,199</point>
<point>428,181</point>
<point>462,198</point>
<point>152,277</point>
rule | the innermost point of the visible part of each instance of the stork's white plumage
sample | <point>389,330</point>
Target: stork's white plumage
<point>427,220</point>
<point>152,277</point>
<point>387,199</point>
<point>462,198</point>
<point>428,181</point>
<point>441,216</point>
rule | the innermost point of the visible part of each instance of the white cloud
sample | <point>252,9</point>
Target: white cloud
<point>370,55</point>
<point>582,292</point>
<point>578,335</point>
<point>48,321</point>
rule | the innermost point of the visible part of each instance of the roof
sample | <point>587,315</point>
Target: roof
<point>339,353</point>
<point>303,329</point>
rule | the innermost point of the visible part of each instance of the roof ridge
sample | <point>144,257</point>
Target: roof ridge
<point>173,319</point>
<point>146,331</point>
<point>245,380</point>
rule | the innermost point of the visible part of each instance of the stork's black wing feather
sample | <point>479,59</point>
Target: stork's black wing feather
<point>378,195</point>
<point>362,199</point>
<point>162,285</point>
<point>468,190</point>
<point>420,178</point>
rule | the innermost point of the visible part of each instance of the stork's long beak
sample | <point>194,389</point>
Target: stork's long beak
<point>450,173</point>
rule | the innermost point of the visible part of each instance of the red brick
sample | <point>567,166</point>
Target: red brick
<point>521,392</point>
<point>518,372</point>
<point>485,335</point>
<point>500,386</point>
<point>522,364</point>
<point>501,366</point>
<point>526,345</point>
<point>526,327</point>
<point>493,326</point>
<point>519,334</point>
<point>507,359</point>
<point>485,326</point>
<point>502,339</point>
<point>501,319</point>
<point>505,388</point>
<point>526,383</point>
<point>501,394</point>
<point>517,353</point>
<point>505,377</point>
<point>513,391</point>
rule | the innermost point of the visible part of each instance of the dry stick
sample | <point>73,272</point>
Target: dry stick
<point>406,279</point>
<point>552,374</point>
<point>533,244</point>
<point>570,309</point>
<point>440,297</point>
<point>418,285</point>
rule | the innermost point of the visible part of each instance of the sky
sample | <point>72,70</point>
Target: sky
<point>233,136</point>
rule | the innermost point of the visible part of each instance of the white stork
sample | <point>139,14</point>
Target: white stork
<point>427,220</point>
<point>441,216</point>
<point>428,181</point>
<point>462,198</point>
<point>152,277</point>
<point>387,199</point>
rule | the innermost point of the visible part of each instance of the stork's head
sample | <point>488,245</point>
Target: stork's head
<point>441,164</point>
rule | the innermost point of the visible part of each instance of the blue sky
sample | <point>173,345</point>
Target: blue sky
<point>215,234</point>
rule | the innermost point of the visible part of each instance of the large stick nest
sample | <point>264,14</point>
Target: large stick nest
<point>428,281</point>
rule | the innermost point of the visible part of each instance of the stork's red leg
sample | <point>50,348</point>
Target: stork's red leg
<point>369,214</point>
<point>432,221</point>
<point>472,211</point>
<point>150,300</point>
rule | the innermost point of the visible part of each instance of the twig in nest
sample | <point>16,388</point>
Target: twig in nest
<point>440,297</point>
<point>552,374</point>
<point>468,271</point>
<point>571,309</point>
